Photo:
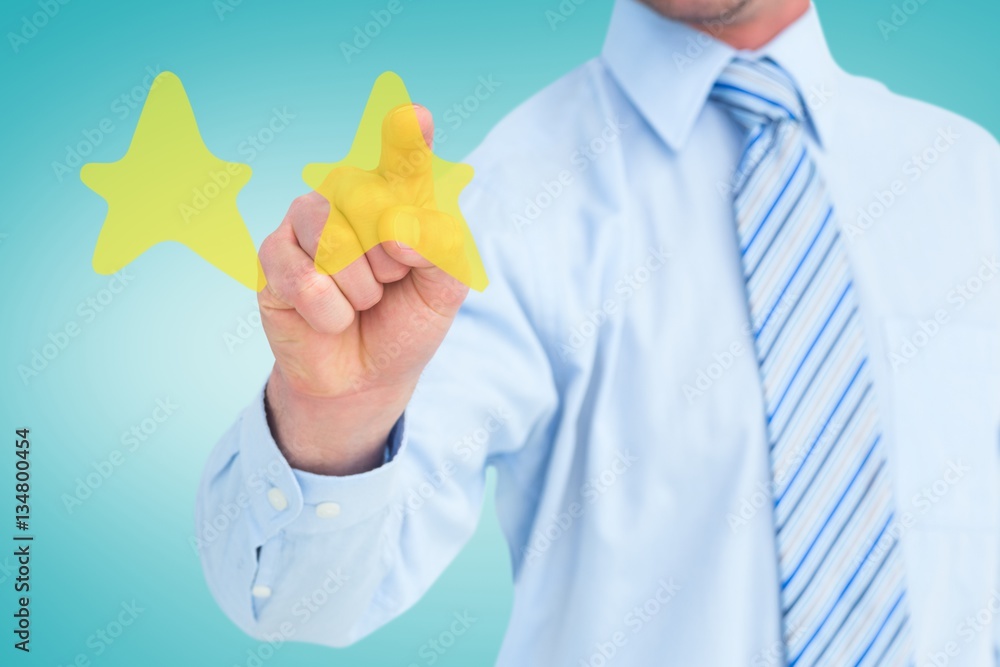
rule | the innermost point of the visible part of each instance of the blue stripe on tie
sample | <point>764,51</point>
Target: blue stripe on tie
<point>861,499</point>
<point>795,170</point>
<point>802,293</point>
<point>833,511</point>
<point>729,86</point>
<point>775,76</point>
<point>818,396</point>
<point>881,627</point>
<point>899,629</point>
<point>861,596</point>
<point>754,140</point>
<point>819,434</point>
<point>784,221</point>
<point>784,289</point>
<point>819,367</point>
<point>748,174</point>
<point>822,330</point>
<point>847,422</point>
<point>842,592</point>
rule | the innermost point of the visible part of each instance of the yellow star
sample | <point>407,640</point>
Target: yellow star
<point>169,187</point>
<point>389,169</point>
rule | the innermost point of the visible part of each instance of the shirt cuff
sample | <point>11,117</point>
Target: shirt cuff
<point>283,498</point>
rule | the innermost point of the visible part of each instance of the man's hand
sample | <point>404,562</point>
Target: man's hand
<point>350,347</point>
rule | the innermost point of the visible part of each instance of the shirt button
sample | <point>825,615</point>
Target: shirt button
<point>327,510</point>
<point>261,591</point>
<point>277,498</point>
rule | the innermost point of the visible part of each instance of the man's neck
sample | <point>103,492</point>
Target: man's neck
<point>754,26</point>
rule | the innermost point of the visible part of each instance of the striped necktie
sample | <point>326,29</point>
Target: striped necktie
<point>843,595</point>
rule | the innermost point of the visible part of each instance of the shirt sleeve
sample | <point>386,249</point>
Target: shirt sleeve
<point>324,559</point>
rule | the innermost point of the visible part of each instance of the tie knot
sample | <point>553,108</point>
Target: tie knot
<point>756,92</point>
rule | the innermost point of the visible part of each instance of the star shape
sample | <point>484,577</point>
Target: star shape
<point>389,168</point>
<point>169,187</point>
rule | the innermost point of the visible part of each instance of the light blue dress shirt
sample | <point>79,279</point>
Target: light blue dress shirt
<point>607,374</point>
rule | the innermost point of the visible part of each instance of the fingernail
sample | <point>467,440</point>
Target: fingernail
<point>406,229</point>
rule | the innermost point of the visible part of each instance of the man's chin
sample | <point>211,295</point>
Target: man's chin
<point>700,11</point>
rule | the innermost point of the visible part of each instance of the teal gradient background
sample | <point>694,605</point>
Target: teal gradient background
<point>163,337</point>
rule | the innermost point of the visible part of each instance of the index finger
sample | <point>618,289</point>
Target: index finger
<point>407,132</point>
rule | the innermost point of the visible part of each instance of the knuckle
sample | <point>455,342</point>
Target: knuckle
<point>307,285</point>
<point>267,252</point>
<point>335,321</point>
<point>391,274</point>
<point>366,197</point>
<point>451,233</point>
<point>308,206</point>
<point>265,298</point>
<point>297,206</point>
<point>368,296</point>
<point>335,238</point>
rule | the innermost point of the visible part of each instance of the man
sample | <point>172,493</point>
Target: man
<point>738,370</point>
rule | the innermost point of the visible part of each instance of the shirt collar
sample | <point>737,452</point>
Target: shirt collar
<point>667,69</point>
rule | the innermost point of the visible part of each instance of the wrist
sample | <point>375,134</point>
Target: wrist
<point>338,436</point>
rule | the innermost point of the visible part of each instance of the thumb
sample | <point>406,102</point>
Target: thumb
<point>432,243</point>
